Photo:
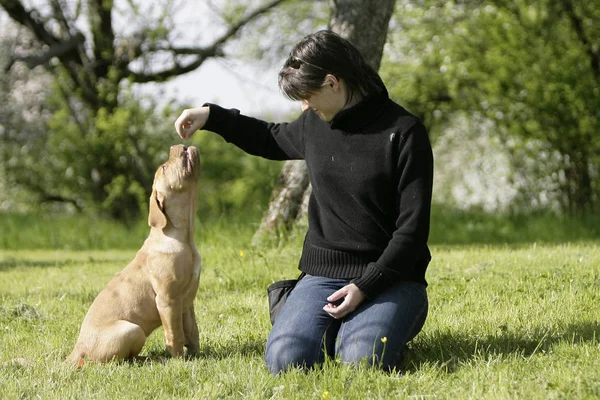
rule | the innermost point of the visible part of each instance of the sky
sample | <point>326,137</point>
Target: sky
<point>230,83</point>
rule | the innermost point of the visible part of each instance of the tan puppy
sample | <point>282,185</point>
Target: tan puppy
<point>159,285</point>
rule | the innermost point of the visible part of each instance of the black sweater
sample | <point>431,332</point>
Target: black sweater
<point>371,171</point>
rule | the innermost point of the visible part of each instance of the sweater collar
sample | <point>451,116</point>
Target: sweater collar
<point>354,118</point>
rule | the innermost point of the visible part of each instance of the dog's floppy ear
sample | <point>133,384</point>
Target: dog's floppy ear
<point>156,216</point>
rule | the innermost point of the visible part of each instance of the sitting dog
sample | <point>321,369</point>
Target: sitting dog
<point>160,284</point>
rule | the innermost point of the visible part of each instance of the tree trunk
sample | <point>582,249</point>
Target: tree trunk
<point>580,189</point>
<point>365,24</point>
<point>286,200</point>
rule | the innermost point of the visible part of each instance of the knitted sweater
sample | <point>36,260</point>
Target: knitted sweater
<point>371,171</point>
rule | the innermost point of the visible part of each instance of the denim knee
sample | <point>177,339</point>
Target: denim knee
<point>282,355</point>
<point>378,332</point>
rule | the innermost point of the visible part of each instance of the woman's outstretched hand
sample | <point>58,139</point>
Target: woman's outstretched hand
<point>190,121</point>
<point>352,296</point>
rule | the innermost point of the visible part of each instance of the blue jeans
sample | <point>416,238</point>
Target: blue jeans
<point>303,334</point>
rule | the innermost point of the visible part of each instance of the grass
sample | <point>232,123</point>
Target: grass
<point>506,321</point>
<point>451,227</point>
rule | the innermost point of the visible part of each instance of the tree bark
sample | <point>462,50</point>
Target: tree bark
<point>287,201</point>
<point>365,24</point>
<point>90,74</point>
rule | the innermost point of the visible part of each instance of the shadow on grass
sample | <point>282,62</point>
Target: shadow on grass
<point>12,263</point>
<point>451,351</point>
<point>246,348</point>
<point>220,351</point>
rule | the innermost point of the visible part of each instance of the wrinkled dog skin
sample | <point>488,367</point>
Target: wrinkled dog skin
<point>159,286</point>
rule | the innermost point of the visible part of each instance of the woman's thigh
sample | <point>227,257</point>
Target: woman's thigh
<point>379,329</point>
<point>303,333</point>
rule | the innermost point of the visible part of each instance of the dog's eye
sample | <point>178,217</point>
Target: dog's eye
<point>164,167</point>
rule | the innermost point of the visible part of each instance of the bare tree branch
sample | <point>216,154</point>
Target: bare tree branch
<point>48,198</point>
<point>57,10</point>
<point>17,12</point>
<point>66,49</point>
<point>202,53</point>
<point>103,36</point>
<point>57,50</point>
<point>171,72</point>
<point>577,23</point>
<point>233,29</point>
<point>85,73</point>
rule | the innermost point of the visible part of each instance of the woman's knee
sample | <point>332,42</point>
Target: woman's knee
<point>282,355</point>
<point>385,354</point>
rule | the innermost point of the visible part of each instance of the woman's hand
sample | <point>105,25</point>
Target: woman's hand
<point>190,121</point>
<point>352,298</point>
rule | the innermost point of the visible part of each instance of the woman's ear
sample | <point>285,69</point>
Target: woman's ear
<point>332,82</point>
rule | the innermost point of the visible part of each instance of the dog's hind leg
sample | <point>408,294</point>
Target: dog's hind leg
<point>125,340</point>
<point>120,340</point>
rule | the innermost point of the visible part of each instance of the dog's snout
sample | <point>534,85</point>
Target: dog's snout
<point>179,148</point>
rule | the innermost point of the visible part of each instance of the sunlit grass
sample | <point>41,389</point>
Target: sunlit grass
<point>506,321</point>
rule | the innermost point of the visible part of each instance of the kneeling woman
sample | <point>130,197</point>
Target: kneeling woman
<point>370,164</point>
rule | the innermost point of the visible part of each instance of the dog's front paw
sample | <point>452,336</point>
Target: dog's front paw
<point>192,350</point>
<point>175,351</point>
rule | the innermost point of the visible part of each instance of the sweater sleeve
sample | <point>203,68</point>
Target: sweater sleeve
<point>408,245</point>
<point>283,141</point>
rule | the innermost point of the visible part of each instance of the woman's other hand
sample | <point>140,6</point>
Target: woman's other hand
<point>190,121</point>
<point>352,296</point>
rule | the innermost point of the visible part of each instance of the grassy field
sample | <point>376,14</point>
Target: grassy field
<point>506,321</point>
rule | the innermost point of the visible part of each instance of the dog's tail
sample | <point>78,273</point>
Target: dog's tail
<point>76,358</point>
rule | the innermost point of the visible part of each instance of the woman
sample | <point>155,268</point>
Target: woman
<point>370,165</point>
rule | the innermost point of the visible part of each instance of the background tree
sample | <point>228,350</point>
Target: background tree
<point>529,68</point>
<point>103,142</point>
<point>97,61</point>
<point>487,77</point>
<point>365,24</point>
<point>22,93</point>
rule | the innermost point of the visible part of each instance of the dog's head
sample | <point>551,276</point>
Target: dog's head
<point>174,187</point>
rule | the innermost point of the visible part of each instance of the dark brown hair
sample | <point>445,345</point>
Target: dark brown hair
<point>322,53</point>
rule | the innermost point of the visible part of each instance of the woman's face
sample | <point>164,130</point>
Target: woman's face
<point>327,101</point>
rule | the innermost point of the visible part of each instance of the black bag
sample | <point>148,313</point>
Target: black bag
<point>278,293</point>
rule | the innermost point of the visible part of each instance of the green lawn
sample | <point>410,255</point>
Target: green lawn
<point>505,322</point>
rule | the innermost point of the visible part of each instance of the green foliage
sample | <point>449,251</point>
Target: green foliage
<point>527,67</point>
<point>232,181</point>
<point>448,227</point>
<point>290,22</point>
<point>89,142</point>
<point>102,163</point>
<point>76,232</point>
<point>459,227</point>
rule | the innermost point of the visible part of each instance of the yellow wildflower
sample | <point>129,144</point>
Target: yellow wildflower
<point>242,253</point>
<point>384,339</point>
<point>325,395</point>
